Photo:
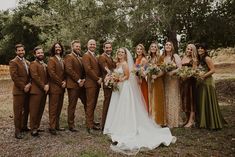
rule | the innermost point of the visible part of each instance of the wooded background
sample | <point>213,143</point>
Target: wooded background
<point>124,22</point>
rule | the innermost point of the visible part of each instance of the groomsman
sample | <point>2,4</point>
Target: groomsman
<point>19,70</point>
<point>92,84</point>
<point>39,90</point>
<point>75,79</point>
<point>107,65</point>
<point>57,83</point>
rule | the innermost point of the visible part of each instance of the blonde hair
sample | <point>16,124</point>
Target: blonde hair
<point>194,52</point>
<point>157,52</point>
<point>143,49</point>
<point>118,50</point>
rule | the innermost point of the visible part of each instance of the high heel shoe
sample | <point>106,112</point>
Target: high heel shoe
<point>189,125</point>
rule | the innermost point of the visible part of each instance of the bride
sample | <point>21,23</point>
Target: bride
<point>127,121</point>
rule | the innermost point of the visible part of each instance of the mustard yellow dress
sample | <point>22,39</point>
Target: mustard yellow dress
<point>157,96</point>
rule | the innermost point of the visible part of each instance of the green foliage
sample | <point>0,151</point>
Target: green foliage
<point>126,23</point>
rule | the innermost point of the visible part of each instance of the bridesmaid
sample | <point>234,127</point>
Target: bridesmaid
<point>188,86</point>
<point>209,114</point>
<point>156,87</point>
<point>142,62</point>
<point>172,90</point>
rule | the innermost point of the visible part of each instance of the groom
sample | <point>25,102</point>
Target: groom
<point>107,65</point>
<point>92,84</point>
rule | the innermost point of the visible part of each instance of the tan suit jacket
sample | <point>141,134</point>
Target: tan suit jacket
<point>92,70</point>
<point>39,77</point>
<point>74,70</point>
<point>106,61</point>
<point>19,75</point>
<point>57,75</point>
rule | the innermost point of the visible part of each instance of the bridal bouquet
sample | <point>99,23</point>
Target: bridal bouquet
<point>185,72</point>
<point>167,67</point>
<point>140,71</point>
<point>111,80</point>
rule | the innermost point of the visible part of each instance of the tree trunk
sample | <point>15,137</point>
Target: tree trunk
<point>171,35</point>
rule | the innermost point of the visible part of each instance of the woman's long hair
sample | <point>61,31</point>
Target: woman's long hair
<point>203,46</point>
<point>194,52</point>
<point>117,59</point>
<point>157,52</point>
<point>143,50</point>
<point>172,51</point>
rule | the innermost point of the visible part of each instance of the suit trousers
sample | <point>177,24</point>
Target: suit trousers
<point>92,97</point>
<point>107,97</point>
<point>55,107</point>
<point>21,111</point>
<point>73,95</point>
<point>36,107</point>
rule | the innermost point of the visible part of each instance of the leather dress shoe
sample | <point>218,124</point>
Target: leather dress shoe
<point>19,136</point>
<point>53,131</point>
<point>34,133</point>
<point>60,129</point>
<point>73,130</point>
<point>41,130</point>
<point>25,130</point>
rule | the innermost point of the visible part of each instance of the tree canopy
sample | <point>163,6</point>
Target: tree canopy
<point>124,22</point>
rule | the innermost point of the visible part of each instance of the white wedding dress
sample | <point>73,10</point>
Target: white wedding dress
<point>128,122</point>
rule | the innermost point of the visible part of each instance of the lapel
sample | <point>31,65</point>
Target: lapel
<point>109,59</point>
<point>77,58</point>
<point>42,66</point>
<point>23,64</point>
<point>93,57</point>
<point>60,62</point>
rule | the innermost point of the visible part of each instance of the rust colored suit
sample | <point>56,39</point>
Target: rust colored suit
<point>93,74</point>
<point>20,76</point>
<point>74,72</point>
<point>38,72</point>
<point>106,61</point>
<point>55,67</point>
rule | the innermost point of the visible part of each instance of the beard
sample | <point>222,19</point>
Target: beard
<point>58,52</point>
<point>77,52</point>
<point>21,55</point>
<point>40,58</point>
<point>108,52</point>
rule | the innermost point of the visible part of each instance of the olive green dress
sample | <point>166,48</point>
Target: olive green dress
<point>209,114</point>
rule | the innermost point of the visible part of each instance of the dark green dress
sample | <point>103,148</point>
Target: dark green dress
<point>209,114</point>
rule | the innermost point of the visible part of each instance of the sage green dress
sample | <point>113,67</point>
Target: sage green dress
<point>209,114</point>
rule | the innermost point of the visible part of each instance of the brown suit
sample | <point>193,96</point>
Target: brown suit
<point>106,61</point>
<point>37,101</point>
<point>74,71</point>
<point>20,76</point>
<point>93,74</point>
<point>56,72</point>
